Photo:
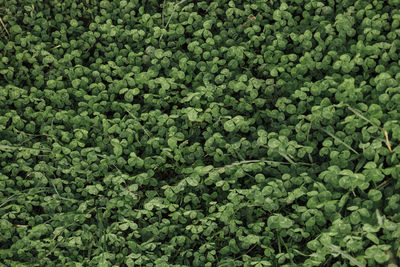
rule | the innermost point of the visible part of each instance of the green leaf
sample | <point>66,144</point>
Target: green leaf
<point>374,195</point>
<point>92,189</point>
<point>15,29</point>
<point>279,222</point>
<point>313,245</point>
<point>229,126</point>
<point>172,142</point>
<point>192,114</point>
<point>74,23</point>
<point>374,252</point>
<point>202,170</point>
<point>99,187</point>
<point>207,24</point>
<point>373,238</point>
<point>252,239</point>
<point>159,53</point>
<point>346,182</point>
<point>124,226</point>
<point>169,193</point>
<point>193,180</point>
<point>260,178</point>
<point>117,150</point>
<point>274,143</point>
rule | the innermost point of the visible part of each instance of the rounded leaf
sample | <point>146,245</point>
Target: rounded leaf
<point>229,126</point>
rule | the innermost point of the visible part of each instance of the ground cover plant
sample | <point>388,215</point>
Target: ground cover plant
<point>199,133</point>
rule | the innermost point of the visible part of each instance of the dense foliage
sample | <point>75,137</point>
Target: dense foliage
<point>199,133</point>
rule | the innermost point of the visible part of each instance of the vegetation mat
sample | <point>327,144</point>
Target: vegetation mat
<point>199,133</point>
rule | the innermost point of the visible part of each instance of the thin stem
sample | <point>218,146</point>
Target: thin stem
<point>162,13</point>
<point>279,244</point>
<point>339,140</point>
<point>381,128</point>
<point>7,200</point>
<point>308,135</point>
<point>286,156</point>
<point>59,196</point>
<point>250,249</point>
<point>133,116</point>
<point>384,183</point>
<point>345,255</point>
<point>170,17</point>
<point>257,161</point>
<point>173,11</point>
<point>21,148</point>
<point>5,28</point>
<point>15,195</point>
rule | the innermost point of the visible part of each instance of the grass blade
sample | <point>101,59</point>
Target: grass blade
<point>346,256</point>
<point>339,140</point>
<point>367,120</point>
<point>5,28</point>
